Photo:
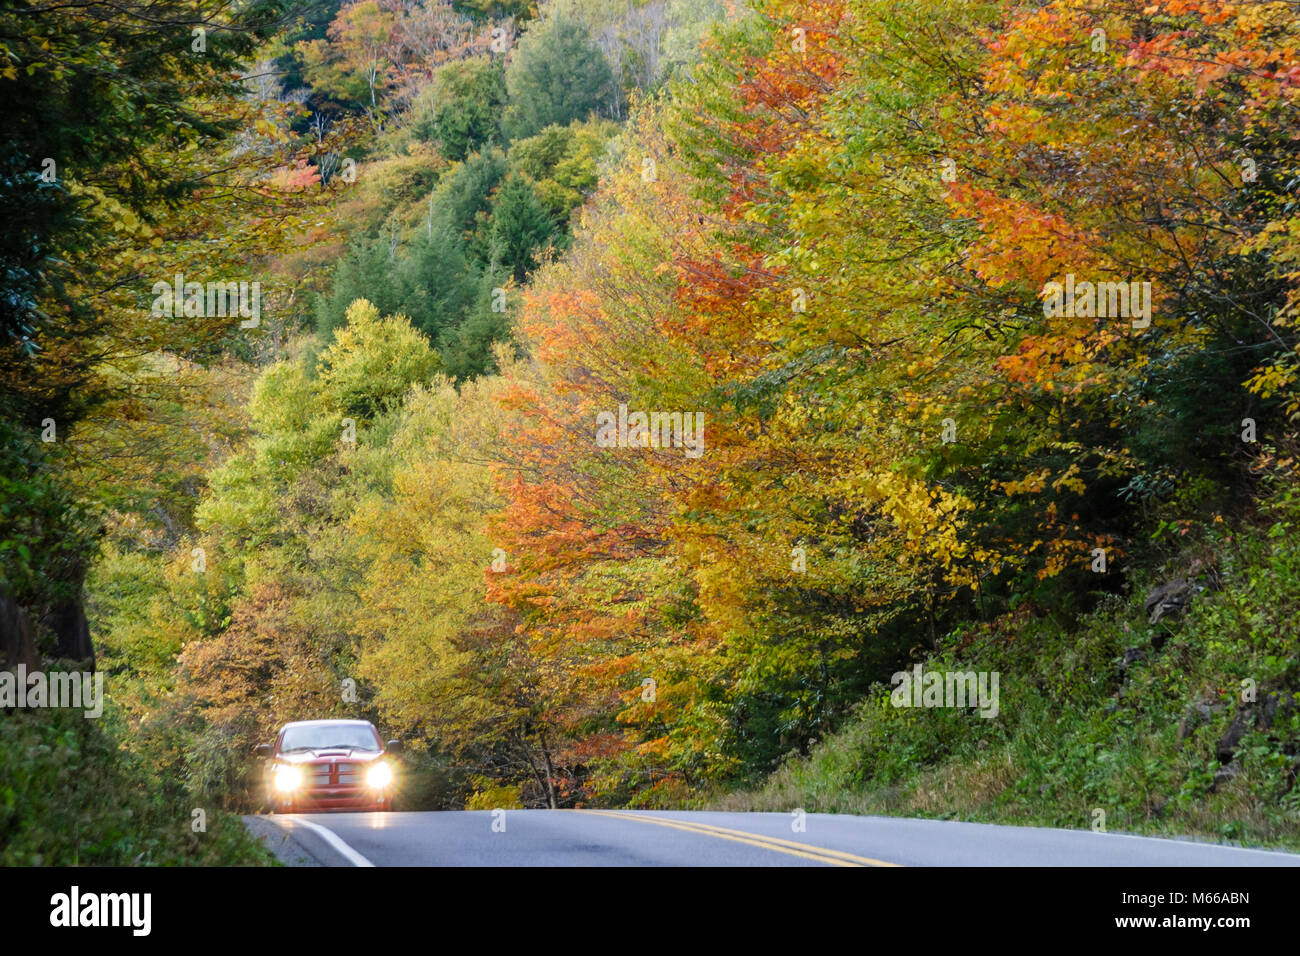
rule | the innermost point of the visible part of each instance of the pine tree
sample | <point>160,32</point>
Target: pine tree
<point>557,75</point>
<point>520,227</point>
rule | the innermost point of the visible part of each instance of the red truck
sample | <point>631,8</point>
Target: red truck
<point>328,765</point>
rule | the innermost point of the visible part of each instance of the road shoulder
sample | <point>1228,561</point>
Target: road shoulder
<point>292,845</point>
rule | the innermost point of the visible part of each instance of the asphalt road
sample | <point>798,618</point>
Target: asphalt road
<point>696,838</point>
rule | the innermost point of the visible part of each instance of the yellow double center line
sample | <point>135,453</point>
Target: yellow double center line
<point>776,844</point>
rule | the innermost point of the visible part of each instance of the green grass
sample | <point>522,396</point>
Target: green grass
<point>1074,737</point>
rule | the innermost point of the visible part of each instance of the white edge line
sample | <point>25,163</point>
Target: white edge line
<point>1173,840</point>
<point>333,839</point>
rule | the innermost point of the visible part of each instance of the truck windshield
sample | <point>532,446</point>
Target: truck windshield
<point>330,737</point>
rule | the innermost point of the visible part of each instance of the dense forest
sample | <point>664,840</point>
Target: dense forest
<point>620,392</point>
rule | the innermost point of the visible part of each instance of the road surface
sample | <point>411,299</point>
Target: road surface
<point>699,838</point>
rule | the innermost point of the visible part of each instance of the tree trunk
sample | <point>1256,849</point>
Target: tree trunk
<point>550,771</point>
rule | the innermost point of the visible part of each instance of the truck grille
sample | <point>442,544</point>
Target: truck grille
<point>326,773</point>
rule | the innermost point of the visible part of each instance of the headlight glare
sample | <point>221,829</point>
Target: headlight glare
<point>379,776</point>
<point>287,779</point>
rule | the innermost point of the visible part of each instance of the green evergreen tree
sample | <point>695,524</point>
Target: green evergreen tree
<point>520,227</point>
<point>460,111</point>
<point>364,272</point>
<point>557,75</point>
<point>437,284</point>
<point>467,349</point>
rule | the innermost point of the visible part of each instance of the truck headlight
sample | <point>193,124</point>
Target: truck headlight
<point>379,776</point>
<point>287,779</point>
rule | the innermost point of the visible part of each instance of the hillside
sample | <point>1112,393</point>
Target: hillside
<point>626,404</point>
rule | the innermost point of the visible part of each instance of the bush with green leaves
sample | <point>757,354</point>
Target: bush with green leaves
<point>72,795</point>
